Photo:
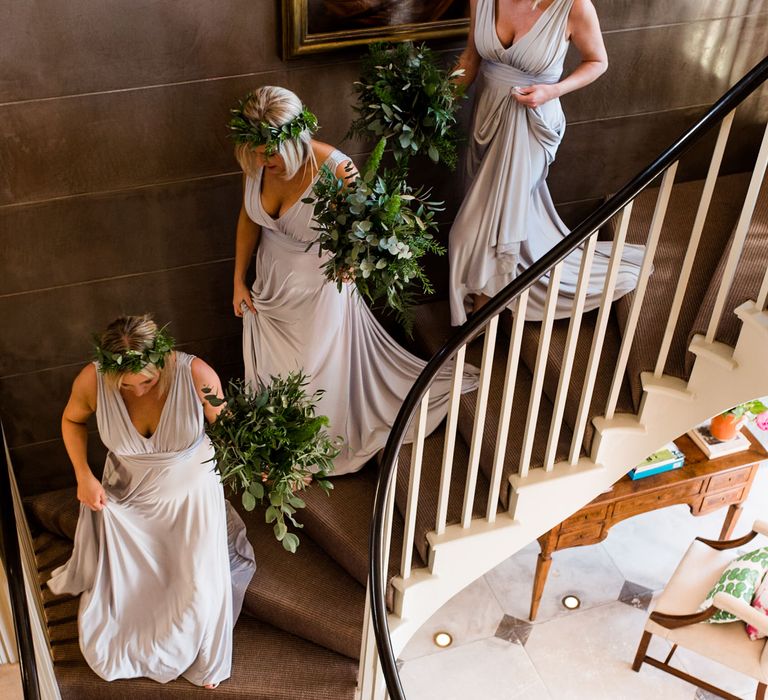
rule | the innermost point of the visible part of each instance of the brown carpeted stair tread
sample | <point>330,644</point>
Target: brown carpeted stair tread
<point>431,470</point>
<point>339,523</point>
<point>603,380</point>
<point>433,321</point>
<point>517,422</point>
<point>306,593</point>
<point>267,664</point>
<point>727,201</point>
<point>54,512</point>
<point>746,282</point>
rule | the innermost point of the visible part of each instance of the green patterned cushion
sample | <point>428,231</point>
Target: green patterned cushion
<point>740,579</point>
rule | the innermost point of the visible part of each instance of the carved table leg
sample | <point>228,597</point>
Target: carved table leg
<point>731,518</point>
<point>543,563</point>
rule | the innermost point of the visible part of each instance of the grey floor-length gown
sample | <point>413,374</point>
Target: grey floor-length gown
<point>507,220</point>
<point>164,566</point>
<point>303,321</point>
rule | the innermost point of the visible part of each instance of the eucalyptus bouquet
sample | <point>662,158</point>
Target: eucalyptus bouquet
<point>376,228</point>
<point>268,444</point>
<point>404,96</point>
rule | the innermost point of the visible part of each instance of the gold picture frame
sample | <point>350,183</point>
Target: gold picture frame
<point>302,39</point>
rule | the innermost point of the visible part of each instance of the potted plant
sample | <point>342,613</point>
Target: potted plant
<point>727,424</point>
<point>269,445</point>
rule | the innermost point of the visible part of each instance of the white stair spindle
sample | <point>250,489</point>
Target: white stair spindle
<point>414,481</point>
<point>540,369</point>
<point>740,234</point>
<point>388,517</point>
<point>478,426</point>
<point>599,334</point>
<point>451,422</point>
<point>693,243</point>
<point>628,334</point>
<point>510,377</point>
<point>569,352</point>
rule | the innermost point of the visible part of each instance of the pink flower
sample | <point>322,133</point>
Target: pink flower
<point>762,420</point>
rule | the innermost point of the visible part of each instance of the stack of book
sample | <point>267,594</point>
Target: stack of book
<point>712,447</point>
<point>664,460</point>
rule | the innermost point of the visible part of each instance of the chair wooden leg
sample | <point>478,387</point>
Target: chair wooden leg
<point>642,648</point>
<point>760,694</point>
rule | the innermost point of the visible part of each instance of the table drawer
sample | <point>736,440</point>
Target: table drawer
<point>720,482</point>
<point>586,535</point>
<point>659,499</point>
<point>718,500</point>
<point>584,517</point>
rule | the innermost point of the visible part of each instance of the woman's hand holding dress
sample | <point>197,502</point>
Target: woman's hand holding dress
<point>242,295</point>
<point>535,95</point>
<point>91,493</point>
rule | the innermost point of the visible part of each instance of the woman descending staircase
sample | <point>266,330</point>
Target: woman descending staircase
<point>563,408</point>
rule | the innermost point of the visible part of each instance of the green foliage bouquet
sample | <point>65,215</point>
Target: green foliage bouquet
<point>268,443</point>
<point>377,228</point>
<point>404,96</point>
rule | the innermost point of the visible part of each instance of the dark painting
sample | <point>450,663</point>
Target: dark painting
<point>312,26</point>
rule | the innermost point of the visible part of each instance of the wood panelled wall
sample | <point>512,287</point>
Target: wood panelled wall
<point>119,192</point>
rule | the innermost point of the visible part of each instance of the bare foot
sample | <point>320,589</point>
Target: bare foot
<point>211,686</point>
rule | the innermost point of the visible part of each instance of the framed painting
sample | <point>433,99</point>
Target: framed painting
<point>317,26</point>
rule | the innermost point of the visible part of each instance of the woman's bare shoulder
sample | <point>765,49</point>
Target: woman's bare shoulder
<point>84,387</point>
<point>322,150</point>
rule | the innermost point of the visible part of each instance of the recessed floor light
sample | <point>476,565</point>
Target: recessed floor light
<point>571,602</point>
<point>442,639</point>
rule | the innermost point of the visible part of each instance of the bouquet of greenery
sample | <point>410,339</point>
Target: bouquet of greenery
<point>377,228</point>
<point>404,96</point>
<point>269,444</point>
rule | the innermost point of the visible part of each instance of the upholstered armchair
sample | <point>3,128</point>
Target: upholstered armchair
<point>676,617</point>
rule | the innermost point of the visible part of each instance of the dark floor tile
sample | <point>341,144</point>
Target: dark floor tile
<point>511,629</point>
<point>636,595</point>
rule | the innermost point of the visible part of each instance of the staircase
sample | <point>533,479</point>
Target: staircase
<point>563,409</point>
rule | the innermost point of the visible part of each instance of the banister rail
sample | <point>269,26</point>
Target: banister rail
<point>15,574</point>
<point>378,541</point>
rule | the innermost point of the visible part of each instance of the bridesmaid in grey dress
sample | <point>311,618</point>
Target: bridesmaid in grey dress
<point>507,220</point>
<point>293,318</point>
<point>160,557</point>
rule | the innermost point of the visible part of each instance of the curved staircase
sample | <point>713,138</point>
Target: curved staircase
<point>563,409</point>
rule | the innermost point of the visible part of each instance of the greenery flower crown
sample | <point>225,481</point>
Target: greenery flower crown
<point>134,360</point>
<point>246,131</point>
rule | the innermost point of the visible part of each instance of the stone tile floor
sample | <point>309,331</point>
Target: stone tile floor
<point>584,654</point>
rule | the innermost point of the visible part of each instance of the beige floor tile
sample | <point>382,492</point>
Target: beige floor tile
<point>471,615</point>
<point>490,669</point>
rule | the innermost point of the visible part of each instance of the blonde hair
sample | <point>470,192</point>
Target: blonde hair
<point>136,333</point>
<point>276,106</point>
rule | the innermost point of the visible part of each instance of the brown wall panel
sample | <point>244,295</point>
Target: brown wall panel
<point>196,301</point>
<point>63,48</point>
<point>618,15</point>
<point>31,404</point>
<point>110,141</point>
<point>97,236</point>
<point>669,67</point>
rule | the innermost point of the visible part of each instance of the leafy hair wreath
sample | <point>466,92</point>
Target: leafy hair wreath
<point>134,360</point>
<point>257,133</point>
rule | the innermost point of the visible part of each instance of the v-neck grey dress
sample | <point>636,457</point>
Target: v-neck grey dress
<point>507,220</point>
<point>303,322</point>
<point>164,566</point>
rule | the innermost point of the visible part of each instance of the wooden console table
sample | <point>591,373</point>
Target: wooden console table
<point>703,484</point>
